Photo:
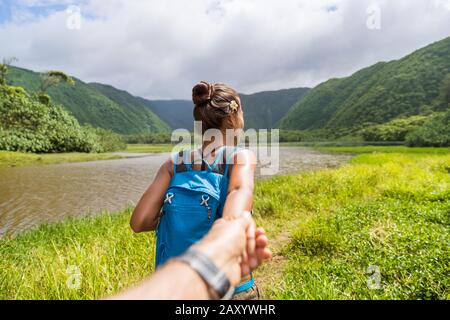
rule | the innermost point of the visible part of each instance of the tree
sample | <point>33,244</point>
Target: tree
<point>444,93</point>
<point>4,68</point>
<point>53,78</point>
<point>434,133</point>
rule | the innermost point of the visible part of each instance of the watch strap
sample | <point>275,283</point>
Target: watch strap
<point>208,271</point>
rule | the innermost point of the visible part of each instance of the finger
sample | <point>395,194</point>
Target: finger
<point>262,242</point>
<point>247,221</point>
<point>251,244</point>
<point>263,254</point>
<point>260,231</point>
<point>244,221</point>
<point>267,254</point>
<point>220,221</point>
<point>245,269</point>
<point>251,238</point>
<point>260,255</point>
<point>244,258</point>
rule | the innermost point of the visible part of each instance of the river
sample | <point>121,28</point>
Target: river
<point>30,196</point>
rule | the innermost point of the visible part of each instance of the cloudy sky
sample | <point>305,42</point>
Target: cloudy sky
<point>159,49</point>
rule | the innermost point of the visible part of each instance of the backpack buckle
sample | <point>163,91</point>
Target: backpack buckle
<point>205,200</point>
<point>169,197</point>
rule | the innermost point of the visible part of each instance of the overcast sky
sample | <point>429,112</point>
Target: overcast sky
<point>160,49</point>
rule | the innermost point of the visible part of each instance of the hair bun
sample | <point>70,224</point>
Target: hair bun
<point>202,93</point>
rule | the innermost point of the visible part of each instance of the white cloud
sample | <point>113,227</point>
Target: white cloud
<point>159,49</point>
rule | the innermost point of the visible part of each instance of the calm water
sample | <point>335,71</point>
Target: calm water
<point>33,195</point>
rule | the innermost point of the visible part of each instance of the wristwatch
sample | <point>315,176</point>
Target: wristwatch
<point>217,281</point>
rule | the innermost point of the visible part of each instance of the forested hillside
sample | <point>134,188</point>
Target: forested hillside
<point>177,113</point>
<point>410,86</point>
<point>138,106</point>
<point>262,110</point>
<point>90,106</point>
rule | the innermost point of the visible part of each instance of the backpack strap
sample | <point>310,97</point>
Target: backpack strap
<point>228,154</point>
<point>187,159</point>
<point>175,161</point>
<point>179,162</point>
<point>220,166</point>
<point>183,163</point>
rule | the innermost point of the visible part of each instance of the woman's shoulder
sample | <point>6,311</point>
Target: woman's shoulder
<point>240,155</point>
<point>169,163</point>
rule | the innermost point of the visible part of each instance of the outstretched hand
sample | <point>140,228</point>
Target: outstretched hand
<point>236,246</point>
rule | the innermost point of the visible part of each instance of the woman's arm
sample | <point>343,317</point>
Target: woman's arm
<point>145,215</point>
<point>240,187</point>
<point>240,199</point>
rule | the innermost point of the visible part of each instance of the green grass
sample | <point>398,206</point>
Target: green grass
<point>327,228</point>
<point>385,149</point>
<point>150,148</point>
<point>17,159</point>
<point>386,210</point>
<point>107,255</point>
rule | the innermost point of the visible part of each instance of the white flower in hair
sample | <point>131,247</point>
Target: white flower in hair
<point>234,106</point>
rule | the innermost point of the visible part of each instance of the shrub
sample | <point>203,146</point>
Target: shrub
<point>434,133</point>
<point>395,130</point>
<point>107,140</point>
<point>27,124</point>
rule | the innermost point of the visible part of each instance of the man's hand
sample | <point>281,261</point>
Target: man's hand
<point>227,245</point>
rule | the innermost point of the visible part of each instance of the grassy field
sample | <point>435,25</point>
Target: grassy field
<point>330,229</point>
<point>17,159</point>
<point>149,148</point>
<point>386,212</point>
<point>386,149</point>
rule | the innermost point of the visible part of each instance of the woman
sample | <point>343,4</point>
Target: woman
<point>189,193</point>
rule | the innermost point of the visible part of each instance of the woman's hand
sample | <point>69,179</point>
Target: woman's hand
<point>227,245</point>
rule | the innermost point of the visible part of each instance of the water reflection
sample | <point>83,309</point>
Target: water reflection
<point>33,195</point>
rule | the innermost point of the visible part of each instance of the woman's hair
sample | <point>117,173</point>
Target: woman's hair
<point>217,106</point>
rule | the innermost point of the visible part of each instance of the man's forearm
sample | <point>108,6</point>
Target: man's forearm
<point>175,281</point>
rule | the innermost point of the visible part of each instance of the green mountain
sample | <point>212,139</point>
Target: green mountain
<point>110,108</point>
<point>177,113</point>
<point>377,94</point>
<point>262,110</point>
<point>120,113</point>
<point>135,104</point>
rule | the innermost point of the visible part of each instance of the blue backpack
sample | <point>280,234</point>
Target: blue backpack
<point>193,201</point>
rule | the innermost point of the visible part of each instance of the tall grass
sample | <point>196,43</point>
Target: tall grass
<point>155,148</point>
<point>384,212</point>
<point>388,211</point>
<point>100,252</point>
<point>150,148</point>
<point>19,159</point>
<point>384,149</point>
